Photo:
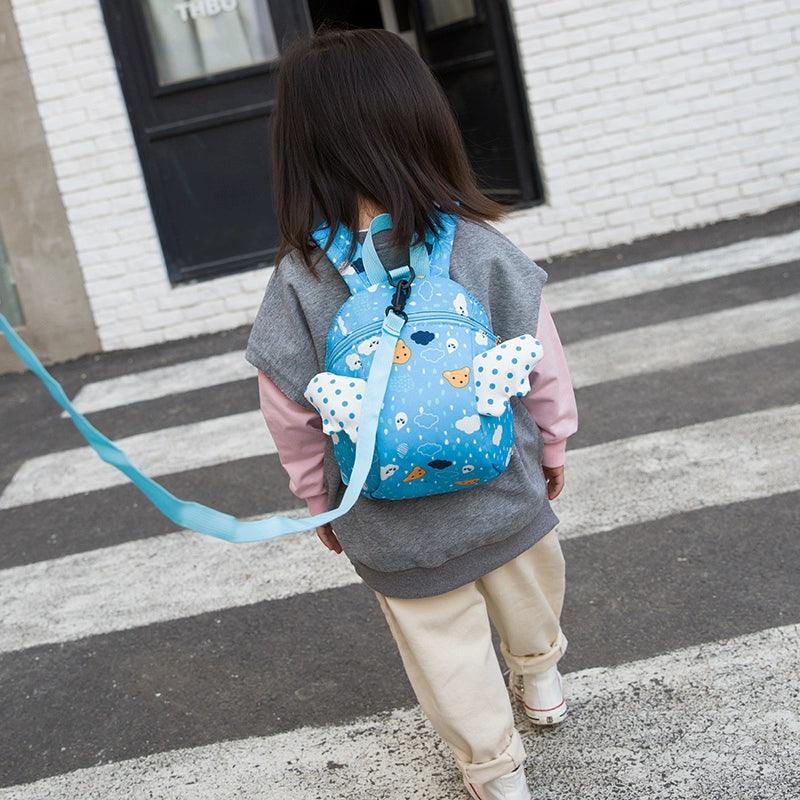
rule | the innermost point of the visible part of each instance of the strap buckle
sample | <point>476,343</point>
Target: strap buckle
<point>409,278</point>
<point>401,292</point>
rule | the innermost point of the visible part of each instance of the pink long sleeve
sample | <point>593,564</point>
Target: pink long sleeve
<point>551,400</point>
<point>297,433</point>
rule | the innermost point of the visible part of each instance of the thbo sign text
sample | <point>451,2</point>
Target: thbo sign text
<point>204,8</point>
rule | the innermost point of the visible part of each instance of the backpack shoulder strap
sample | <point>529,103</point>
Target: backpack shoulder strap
<point>440,245</point>
<point>352,269</point>
<point>417,262</point>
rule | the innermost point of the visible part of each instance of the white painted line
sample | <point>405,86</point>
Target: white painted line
<point>617,483</point>
<point>651,476</point>
<point>655,347</point>
<point>613,284</point>
<point>561,295</point>
<point>719,719</point>
<point>678,343</point>
<point>161,382</point>
<point>156,579</point>
<point>161,452</point>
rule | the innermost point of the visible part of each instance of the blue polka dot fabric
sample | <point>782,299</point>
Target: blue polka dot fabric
<point>446,422</point>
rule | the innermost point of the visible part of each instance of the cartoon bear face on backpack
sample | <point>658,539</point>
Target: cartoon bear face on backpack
<point>457,378</point>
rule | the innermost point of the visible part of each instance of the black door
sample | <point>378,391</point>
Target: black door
<point>471,48</point>
<point>199,82</point>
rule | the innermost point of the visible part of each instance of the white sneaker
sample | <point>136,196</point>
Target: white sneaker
<point>541,695</point>
<point>507,787</point>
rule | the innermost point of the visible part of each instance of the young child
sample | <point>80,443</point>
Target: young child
<point>360,128</point>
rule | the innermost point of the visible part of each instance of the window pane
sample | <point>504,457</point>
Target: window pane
<point>196,38</point>
<point>9,301</point>
<point>440,13</point>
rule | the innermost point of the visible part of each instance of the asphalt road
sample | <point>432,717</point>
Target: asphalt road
<point>138,661</point>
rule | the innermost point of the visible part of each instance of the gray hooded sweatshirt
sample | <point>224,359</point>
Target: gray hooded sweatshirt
<point>428,545</point>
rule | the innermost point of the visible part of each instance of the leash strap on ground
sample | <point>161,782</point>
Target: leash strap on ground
<point>210,521</point>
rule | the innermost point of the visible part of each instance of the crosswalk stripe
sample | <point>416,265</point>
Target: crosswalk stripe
<point>648,349</point>
<point>614,284</point>
<point>678,343</point>
<point>662,705</point>
<point>561,295</point>
<point>677,470</point>
<point>618,483</point>
<point>160,452</point>
<point>116,588</point>
<point>163,381</point>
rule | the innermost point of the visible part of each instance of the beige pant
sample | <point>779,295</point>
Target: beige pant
<point>446,646</point>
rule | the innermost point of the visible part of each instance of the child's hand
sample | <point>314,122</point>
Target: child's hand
<point>328,538</point>
<point>555,480</point>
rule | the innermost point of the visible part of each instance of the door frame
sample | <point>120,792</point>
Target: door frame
<point>140,84</point>
<point>506,55</point>
<point>516,91</point>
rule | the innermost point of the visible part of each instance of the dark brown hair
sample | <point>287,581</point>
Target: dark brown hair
<point>359,115</point>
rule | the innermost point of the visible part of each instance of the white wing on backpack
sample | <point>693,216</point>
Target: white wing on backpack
<point>503,372</point>
<point>337,399</point>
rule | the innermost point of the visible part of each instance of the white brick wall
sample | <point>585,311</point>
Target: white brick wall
<point>652,115</point>
<point>649,115</point>
<point>98,172</point>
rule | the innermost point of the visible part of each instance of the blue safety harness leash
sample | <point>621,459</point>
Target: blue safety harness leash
<point>204,519</point>
<point>418,261</point>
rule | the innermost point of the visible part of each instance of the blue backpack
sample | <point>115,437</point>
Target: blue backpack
<point>415,392</point>
<point>442,378</point>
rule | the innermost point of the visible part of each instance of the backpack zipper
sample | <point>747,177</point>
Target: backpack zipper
<point>413,316</point>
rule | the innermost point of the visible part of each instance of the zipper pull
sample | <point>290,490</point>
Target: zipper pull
<point>497,340</point>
